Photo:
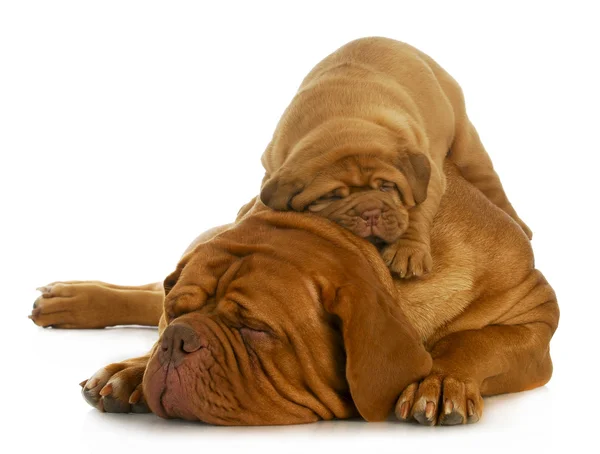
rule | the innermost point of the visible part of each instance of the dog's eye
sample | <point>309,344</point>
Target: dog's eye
<point>254,336</point>
<point>252,333</point>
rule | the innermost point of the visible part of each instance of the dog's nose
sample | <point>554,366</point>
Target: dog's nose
<point>178,340</point>
<point>371,216</point>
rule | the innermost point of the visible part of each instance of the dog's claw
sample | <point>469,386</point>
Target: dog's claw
<point>106,390</point>
<point>448,406</point>
<point>430,411</point>
<point>470,408</point>
<point>443,400</point>
<point>404,409</point>
<point>45,290</point>
<point>135,397</point>
<point>82,384</point>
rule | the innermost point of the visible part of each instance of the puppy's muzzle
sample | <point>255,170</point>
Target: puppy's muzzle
<point>371,217</point>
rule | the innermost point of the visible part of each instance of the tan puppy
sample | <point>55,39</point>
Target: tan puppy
<point>288,318</point>
<point>363,143</point>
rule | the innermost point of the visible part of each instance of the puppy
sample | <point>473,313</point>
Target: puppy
<point>363,142</point>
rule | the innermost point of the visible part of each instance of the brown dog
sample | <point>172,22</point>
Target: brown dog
<point>363,143</point>
<point>288,318</point>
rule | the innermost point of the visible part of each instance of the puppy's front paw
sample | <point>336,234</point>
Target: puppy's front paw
<point>408,258</point>
<point>117,388</point>
<point>441,399</point>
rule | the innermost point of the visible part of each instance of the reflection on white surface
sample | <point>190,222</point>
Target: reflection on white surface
<point>55,361</point>
<point>510,421</point>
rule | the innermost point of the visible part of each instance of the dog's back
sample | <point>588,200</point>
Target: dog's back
<point>483,265</point>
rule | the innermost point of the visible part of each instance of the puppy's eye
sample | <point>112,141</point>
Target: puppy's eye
<point>328,198</point>
<point>387,187</point>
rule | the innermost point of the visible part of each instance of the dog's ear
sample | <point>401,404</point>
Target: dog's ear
<point>172,278</point>
<point>416,168</point>
<point>277,191</point>
<point>199,272</point>
<point>383,352</point>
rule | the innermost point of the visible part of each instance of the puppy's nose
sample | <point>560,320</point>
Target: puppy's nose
<point>371,216</point>
<point>178,340</point>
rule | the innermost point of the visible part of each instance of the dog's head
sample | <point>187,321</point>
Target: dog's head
<point>367,184</point>
<point>263,329</point>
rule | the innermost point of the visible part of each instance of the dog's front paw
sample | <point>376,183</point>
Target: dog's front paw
<point>441,399</point>
<point>63,305</point>
<point>408,258</point>
<point>117,388</point>
<point>74,304</point>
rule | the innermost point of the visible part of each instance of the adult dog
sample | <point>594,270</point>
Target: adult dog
<point>363,143</point>
<point>288,318</point>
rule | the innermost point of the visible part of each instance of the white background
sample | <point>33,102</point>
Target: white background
<point>128,127</point>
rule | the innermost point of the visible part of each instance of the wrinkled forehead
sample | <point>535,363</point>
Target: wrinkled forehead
<point>275,292</point>
<point>354,171</point>
<point>361,170</point>
<point>262,284</point>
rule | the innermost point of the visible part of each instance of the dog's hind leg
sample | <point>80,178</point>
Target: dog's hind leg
<point>93,304</point>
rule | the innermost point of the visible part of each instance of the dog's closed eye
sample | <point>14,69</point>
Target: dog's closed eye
<point>256,335</point>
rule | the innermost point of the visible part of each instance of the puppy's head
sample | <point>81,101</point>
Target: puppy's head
<point>367,192</point>
<point>261,330</point>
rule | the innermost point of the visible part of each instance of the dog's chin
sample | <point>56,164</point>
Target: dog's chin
<point>165,392</point>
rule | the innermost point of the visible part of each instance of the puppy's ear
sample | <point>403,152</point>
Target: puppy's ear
<point>277,192</point>
<point>417,170</point>
<point>383,352</point>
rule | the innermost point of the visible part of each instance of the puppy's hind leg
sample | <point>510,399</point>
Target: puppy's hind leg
<point>93,304</point>
<point>468,153</point>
